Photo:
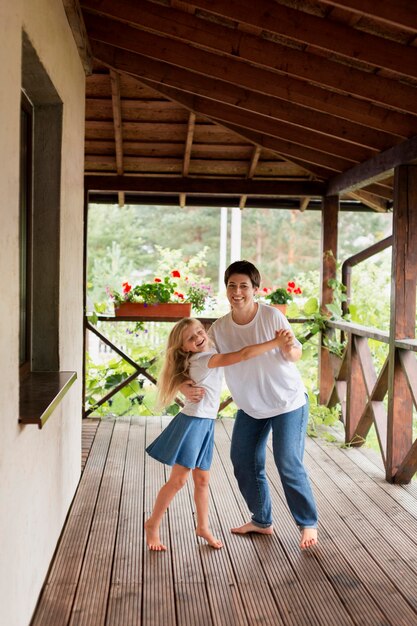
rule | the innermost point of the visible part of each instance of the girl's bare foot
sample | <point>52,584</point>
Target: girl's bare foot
<point>251,528</point>
<point>212,541</point>
<point>152,538</point>
<point>308,538</point>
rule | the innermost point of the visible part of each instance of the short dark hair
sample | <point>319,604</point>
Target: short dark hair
<point>243,267</point>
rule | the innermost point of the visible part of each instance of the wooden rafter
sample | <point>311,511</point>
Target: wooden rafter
<point>402,13</point>
<point>163,74</point>
<point>262,124</point>
<point>268,55</point>
<point>197,76</point>
<point>188,144</point>
<point>76,22</point>
<point>187,152</point>
<point>117,120</point>
<point>251,172</point>
<point>308,29</point>
<point>375,203</point>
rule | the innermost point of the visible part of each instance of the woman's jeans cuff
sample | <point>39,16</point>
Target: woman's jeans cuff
<point>258,525</point>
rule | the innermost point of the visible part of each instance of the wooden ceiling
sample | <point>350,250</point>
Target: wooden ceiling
<point>246,102</point>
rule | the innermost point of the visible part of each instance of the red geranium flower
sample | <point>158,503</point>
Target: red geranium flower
<point>298,291</point>
<point>126,287</point>
<point>290,286</point>
<point>157,280</point>
<point>175,274</point>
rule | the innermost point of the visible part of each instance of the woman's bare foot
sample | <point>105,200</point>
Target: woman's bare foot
<point>251,528</point>
<point>152,538</point>
<point>212,541</point>
<point>308,538</point>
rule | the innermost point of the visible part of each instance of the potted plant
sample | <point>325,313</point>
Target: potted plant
<point>162,297</point>
<point>281,296</point>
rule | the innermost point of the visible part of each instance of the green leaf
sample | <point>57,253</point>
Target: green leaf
<point>311,306</point>
<point>115,379</point>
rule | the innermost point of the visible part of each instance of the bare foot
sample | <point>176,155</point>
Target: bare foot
<point>152,538</point>
<point>212,541</point>
<point>308,538</point>
<point>251,528</point>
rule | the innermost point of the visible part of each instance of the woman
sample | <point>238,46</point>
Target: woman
<point>270,395</point>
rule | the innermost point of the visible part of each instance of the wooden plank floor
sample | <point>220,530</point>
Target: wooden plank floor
<point>364,572</point>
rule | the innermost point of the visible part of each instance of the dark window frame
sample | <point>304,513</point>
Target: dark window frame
<point>25,237</point>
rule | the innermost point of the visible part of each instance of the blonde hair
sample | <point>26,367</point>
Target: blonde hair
<point>175,369</point>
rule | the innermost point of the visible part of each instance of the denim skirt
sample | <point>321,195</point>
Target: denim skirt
<point>186,441</point>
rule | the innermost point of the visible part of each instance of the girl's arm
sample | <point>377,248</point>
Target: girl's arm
<point>283,340</point>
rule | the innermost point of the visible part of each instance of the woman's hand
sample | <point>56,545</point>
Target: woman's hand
<point>286,343</point>
<point>191,392</point>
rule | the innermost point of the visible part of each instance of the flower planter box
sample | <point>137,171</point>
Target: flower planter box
<point>166,309</point>
<point>280,307</point>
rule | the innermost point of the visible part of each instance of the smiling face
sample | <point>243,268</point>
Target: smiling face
<point>240,292</point>
<point>194,338</point>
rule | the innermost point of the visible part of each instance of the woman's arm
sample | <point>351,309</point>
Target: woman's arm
<point>191,392</point>
<point>282,339</point>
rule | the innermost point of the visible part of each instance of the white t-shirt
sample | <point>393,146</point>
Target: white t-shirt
<point>268,384</point>
<point>211,380</point>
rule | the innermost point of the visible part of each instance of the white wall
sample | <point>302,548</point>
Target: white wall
<point>39,469</point>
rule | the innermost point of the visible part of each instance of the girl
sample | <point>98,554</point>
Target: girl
<point>187,442</point>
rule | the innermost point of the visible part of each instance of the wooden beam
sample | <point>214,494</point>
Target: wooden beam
<point>117,120</point>
<point>272,107</point>
<point>377,168</point>
<point>270,56</point>
<point>254,161</point>
<point>188,144</point>
<point>264,125</point>
<point>322,33</point>
<point>375,203</point>
<point>319,164</point>
<point>403,320</point>
<point>251,172</point>
<point>76,22</point>
<point>401,13</point>
<point>202,78</point>
<point>329,231</point>
<point>226,187</point>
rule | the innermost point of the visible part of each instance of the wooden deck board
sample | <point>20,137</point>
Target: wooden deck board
<point>363,573</point>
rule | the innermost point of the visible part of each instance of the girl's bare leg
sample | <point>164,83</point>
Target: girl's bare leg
<point>308,538</point>
<point>201,498</point>
<point>176,481</point>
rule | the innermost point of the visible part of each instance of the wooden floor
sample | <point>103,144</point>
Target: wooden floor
<point>364,572</point>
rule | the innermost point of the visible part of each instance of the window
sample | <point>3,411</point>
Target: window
<point>42,385</point>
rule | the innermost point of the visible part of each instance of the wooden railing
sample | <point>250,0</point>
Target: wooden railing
<point>138,370</point>
<point>366,396</point>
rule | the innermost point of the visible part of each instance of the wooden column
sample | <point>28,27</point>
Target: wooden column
<point>403,315</point>
<point>329,233</point>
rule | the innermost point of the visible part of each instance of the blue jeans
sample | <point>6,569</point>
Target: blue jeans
<point>248,454</point>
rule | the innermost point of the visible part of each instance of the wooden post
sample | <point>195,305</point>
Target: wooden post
<point>403,315</point>
<point>329,233</point>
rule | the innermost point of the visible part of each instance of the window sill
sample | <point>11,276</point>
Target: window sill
<point>40,394</point>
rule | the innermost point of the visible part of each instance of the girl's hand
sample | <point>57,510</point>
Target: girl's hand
<point>191,392</point>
